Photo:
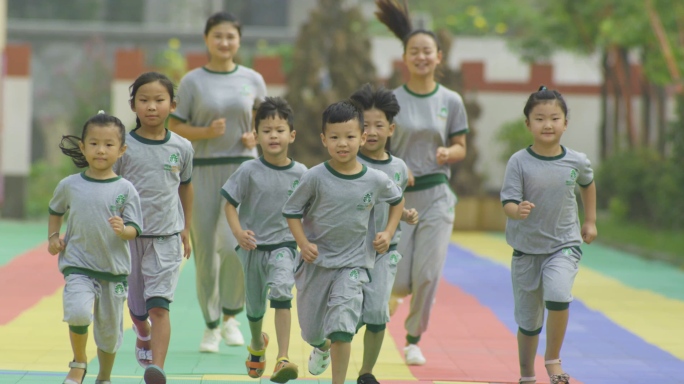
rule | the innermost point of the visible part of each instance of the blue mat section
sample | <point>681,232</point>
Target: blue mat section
<point>595,351</point>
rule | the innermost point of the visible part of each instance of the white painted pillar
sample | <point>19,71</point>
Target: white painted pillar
<point>128,65</point>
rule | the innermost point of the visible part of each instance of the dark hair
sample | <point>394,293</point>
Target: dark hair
<point>272,107</point>
<point>396,17</point>
<point>544,95</point>
<point>381,98</point>
<point>69,143</point>
<point>146,78</point>
<point>341,112</point>
<point>222,17</point>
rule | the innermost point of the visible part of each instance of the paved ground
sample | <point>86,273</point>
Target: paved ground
<point>625,327</point>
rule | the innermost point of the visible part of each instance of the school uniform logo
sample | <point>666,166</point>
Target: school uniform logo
<point>119,289</point>
<point>394,259</point>
<point>246,90</point>
<point>280,255</point>
<point>172,165</point>
<point>367,202</point>
<point>397,178</point>
<point>443,112</point>
<point>573,178</point>
<point>353,275</point>
<point>294,186</point>
<point>566,251</point>
<point>118,204</point>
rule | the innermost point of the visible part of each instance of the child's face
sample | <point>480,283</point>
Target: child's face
<point>547,123</point>
<point>102,146</point>
<point>152,104</point>
<point>274,136</point>
<point>377,130</point>
<point>343,140</point>
<point>223,41</point>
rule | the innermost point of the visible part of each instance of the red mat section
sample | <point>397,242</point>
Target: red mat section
<point>27,279</point>
<point>465,342</point>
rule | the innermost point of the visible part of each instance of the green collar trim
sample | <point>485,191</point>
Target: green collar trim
<point>143,140</point>
<point>547,158</point>
<point>88,178</point>
<point>410,92</point>
<point>346,177</point>
<point>222,72</point>
<point>277,168</point>
<point>374,161</point>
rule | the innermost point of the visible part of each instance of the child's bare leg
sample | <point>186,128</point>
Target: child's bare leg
<point>78,346</point>
<point>106,361</point>
<point>556,325</point>
<point>339,355</point>
<point>283,320</point>
<point>372,342</point>
<point>144,330</point>
<point>255,328</point>
<point>527,350</point>
<point>161,335</point>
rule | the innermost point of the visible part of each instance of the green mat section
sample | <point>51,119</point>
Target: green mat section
<point>19,237</point>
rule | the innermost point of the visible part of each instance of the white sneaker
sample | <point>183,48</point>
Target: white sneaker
<point>318,361</point>
<point>210,341</point>
<point>231,333</point>
<point>413,355</point>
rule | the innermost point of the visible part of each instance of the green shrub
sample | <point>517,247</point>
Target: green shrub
<point>42,182</point>
<point>514,136</point>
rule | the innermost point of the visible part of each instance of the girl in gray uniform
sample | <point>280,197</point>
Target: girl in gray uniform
<point>430,135</point>
<point>329,214</point>
<point>538,196</point>
<point>104,213</point>
<point>379,108</point>
<point>267,249</point>
<point>159,164</point>
<point>214,112</point>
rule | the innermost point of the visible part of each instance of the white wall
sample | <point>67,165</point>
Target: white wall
<point>120,106</point>
<point>16,122</point>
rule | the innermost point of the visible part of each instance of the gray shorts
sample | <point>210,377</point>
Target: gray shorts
<point>268,275</point>
<point>329,302</point>
<point>540,279</point>
<point>376,293</point>
<point>86,299</point>
<point>155,269</point>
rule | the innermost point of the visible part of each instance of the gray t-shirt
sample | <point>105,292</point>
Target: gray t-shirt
<point>549,184</point>
<point>395,169</point>
<point>336,212</point>
<point>92,247</point>
<point>204,96</point>
<point>156,168</point>
<point>261,189</point>
<point>425,123</point>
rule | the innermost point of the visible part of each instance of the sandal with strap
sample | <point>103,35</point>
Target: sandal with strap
<point>74,364</point>
<point>284,371</point>
<point>560,378</point>
<point>527,379</point>
<point>142,355</point>
<point>256,360</point>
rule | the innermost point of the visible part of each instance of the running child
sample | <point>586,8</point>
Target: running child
<point>329,214</point>
<point>267,249</point>
<point>543,227</point>
<point>379,108</point>
<point>430,135</point>
<point>159,164</point>
<point>104,213</point>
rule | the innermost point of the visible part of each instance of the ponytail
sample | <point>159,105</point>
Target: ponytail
<point>396,17</point>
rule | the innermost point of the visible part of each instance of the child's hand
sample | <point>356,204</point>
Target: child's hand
<point>185,238</point>
<point>410,216</point>
<point>442,155</point>
<point>382,242</point>
<point>246,239</point>
<point>56,245</point>
<point>411,180</point>
<point>524,209</point>
<point>248,140</point>
<point>309,252</point>
<point>217,128</point>
<point>589,232</point>
<point>117,225</point>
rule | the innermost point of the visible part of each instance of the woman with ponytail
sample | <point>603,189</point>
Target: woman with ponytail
<point>429,136</point>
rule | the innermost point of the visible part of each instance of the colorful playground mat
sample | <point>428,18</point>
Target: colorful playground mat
<point>626,324</point>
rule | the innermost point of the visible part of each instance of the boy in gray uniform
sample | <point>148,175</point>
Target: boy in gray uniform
<point>538,196</point>
<point>329,215</point>
<point>104,213</point>
<point>266,247</point>
<point>159,164</point>
<point>380,106</point>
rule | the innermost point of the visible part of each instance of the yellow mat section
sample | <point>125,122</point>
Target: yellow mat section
<point>656,321</point>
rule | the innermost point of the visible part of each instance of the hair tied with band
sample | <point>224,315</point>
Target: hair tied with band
<point>101,112</point>
<point>542,88</point>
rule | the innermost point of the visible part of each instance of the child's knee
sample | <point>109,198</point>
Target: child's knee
<point>79,317</point>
